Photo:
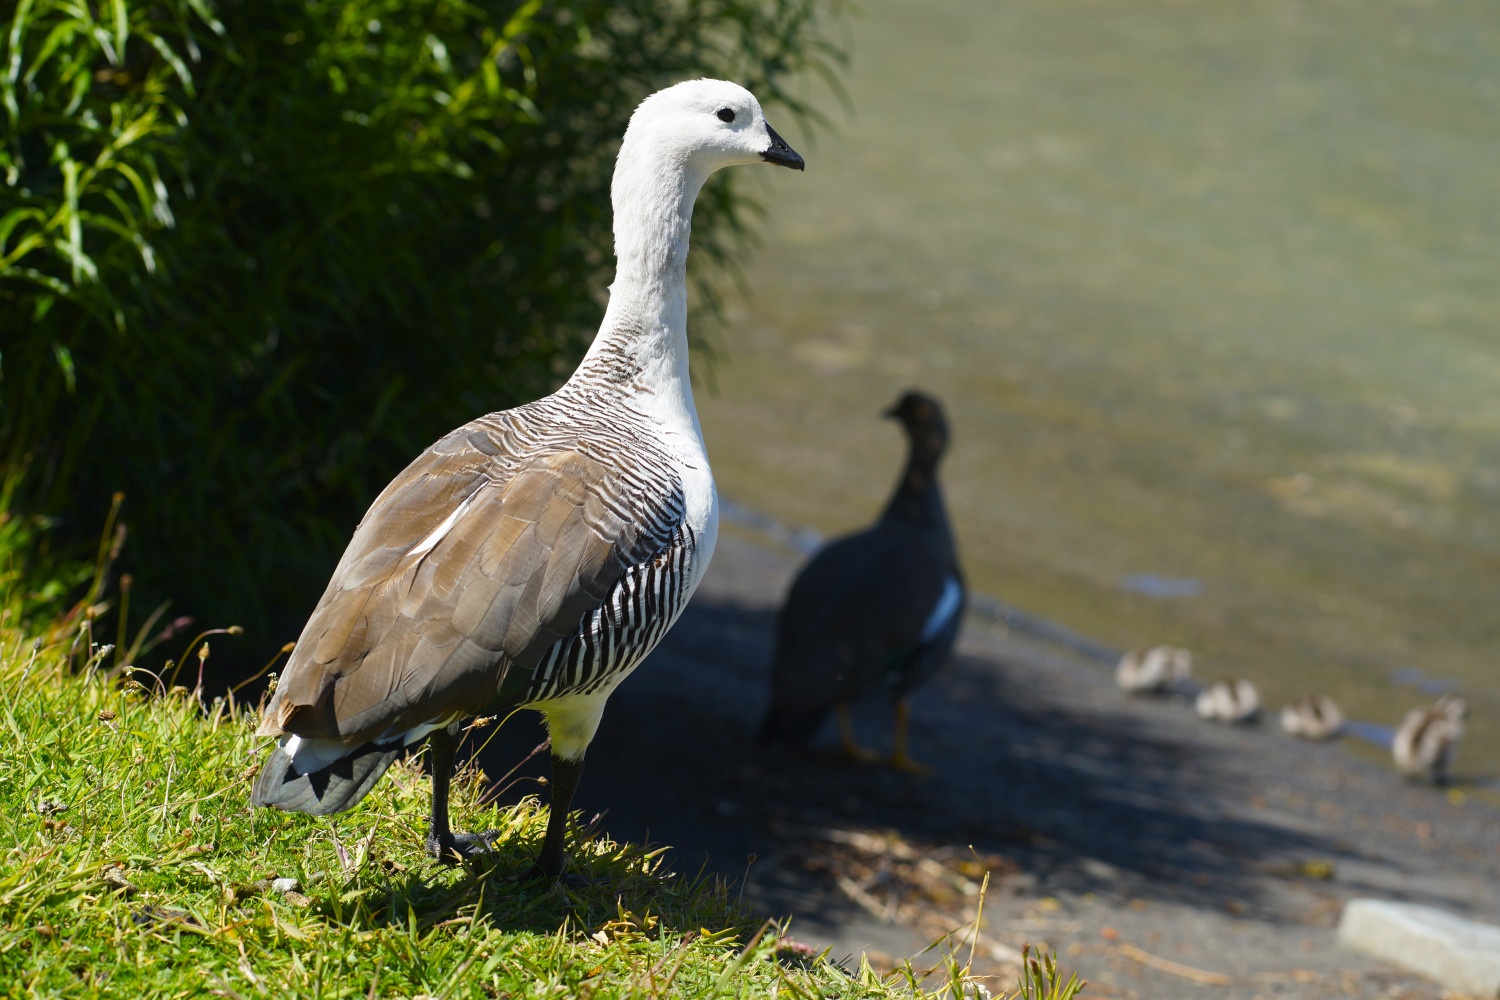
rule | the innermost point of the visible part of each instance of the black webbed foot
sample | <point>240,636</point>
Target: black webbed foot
<point>457,848</point>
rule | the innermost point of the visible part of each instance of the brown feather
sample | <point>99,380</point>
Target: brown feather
<point>403,636</point>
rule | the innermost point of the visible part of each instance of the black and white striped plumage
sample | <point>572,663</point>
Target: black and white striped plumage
<point>879,609</point>
<point>614,638</point>
<point>532,557</point>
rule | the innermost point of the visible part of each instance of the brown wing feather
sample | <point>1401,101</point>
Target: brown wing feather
<point>406,634</point>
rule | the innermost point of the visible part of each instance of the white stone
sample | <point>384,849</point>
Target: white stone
<point>1463,955</point>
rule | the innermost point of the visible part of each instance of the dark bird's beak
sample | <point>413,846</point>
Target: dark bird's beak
<point>780,153</point>
<point>891,412</point>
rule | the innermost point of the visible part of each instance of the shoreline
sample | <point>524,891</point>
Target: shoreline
<point>804,541</point>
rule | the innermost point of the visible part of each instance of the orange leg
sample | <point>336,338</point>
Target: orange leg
<point>901,758</point>
<point>846,738</point>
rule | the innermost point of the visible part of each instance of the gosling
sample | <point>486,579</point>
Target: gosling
<point>1229,701</point>
<point>1428,737</point>
<point>1315,717</point>
<point>1153,669</point>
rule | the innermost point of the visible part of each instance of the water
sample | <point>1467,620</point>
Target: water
<point>1160,586</point>
<point>1210,293</point>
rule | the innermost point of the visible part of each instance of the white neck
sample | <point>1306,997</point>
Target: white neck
<point>642,341</point>
<point>641,349</point>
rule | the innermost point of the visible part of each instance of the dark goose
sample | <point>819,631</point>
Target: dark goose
<point>878,610</point>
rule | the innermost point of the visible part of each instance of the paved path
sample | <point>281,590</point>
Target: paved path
<point>1164,857</point>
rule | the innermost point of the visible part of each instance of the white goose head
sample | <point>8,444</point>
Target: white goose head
<point>702,126</point>
<point>676,138</point>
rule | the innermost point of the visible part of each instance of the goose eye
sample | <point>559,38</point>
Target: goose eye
<point>726,115</point>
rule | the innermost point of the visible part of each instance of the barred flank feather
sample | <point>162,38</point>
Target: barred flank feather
<point>538,553</point>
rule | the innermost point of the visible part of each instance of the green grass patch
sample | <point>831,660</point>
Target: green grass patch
<point>133,865</point>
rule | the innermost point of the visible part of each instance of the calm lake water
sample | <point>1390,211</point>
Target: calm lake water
<point>1212,293</point>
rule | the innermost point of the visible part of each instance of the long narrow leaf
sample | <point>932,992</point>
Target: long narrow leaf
<point>14,218</point>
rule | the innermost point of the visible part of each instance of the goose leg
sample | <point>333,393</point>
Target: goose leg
<point>846,737</point>
<point>565,777</point>
<point>1440,768</point>
<point>442,843</point>
<point>901,758</point>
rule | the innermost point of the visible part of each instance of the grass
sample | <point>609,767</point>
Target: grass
<point>133,865</point>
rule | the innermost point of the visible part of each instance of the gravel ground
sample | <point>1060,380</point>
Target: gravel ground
<point>1163,857</point>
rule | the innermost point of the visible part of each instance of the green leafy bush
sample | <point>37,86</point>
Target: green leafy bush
<point>255,254</point>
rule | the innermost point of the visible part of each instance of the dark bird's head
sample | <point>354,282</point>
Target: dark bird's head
<point>923,419</point>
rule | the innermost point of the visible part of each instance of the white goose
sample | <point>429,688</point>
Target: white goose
<point>534,556</point>
<point>1427,738</point>
<point>1153,670</point>
<point>1315,717</point>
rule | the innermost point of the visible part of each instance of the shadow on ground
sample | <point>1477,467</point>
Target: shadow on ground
<point>1076,798</point>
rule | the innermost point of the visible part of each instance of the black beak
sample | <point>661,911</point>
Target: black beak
<point>780,153</point>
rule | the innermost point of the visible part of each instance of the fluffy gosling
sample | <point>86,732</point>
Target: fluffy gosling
<point>1315,717</point>
<point>1153,669</point>
<point>1427,738</point>
<point>1229,701</point>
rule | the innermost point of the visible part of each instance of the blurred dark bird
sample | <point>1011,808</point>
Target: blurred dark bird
<point>533,557</point>
<point>876,610</point>
<point>1427,737</point>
